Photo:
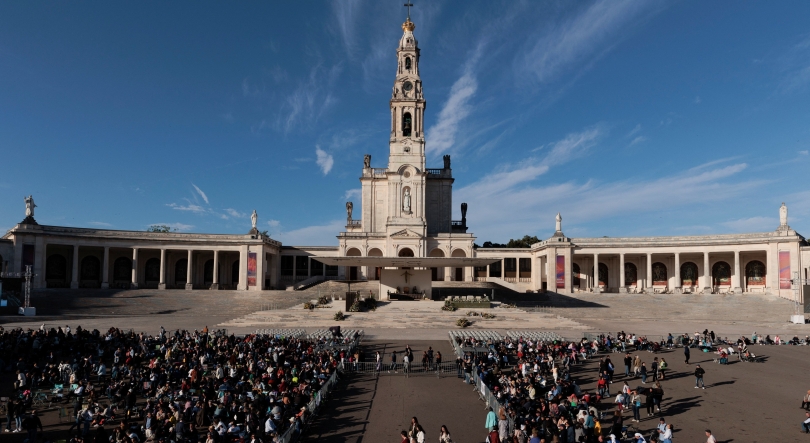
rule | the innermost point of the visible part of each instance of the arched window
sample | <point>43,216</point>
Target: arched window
<point>630,274</point>
<point>689,274</point>
<point>408,63</point>
<point>603,274</point>
<point>659,274</point>
<point>152,270</point>
<point>91,268</point>
<point>122,269</point>
<point>406,124</point>
<point>180,270</point>
<point>575,275</point>
<point>755,273</point>
<point>405,252</point>
<point>721,274</point>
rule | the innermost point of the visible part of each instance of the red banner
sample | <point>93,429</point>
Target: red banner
<point>784,270</point>
<point>251,269</point>
<point>560,271</point>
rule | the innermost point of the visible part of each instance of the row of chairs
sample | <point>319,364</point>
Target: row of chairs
<point>327,334</point>
<point>535,335</point>
<point>292,333</point>
<point>467,298</point>
<point>477,335</point>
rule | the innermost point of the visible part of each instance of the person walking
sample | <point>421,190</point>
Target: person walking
<point>491,421</point>
<point>662,367</point>
<point>444,435</point>
<point>628,361</point>
<point>699,372</point>
<point>393,362</point>
<point>806,401</point>
<point>635,401</point>
<point>414,429</point>
<point>709,437</point>
<point>643,373</point>
<point>637,366</point>
<point>686,353</point>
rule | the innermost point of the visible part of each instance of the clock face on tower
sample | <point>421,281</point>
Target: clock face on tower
<point>407,86</point>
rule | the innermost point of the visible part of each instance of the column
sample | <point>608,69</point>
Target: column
<point>569,265</point>
<point>448,274</point>
<point>735,277</point>
<point>648,277</point>
<point>74,277</point>
<point>706,281</point>
<point>162,284</point>
<point>243,254</point>
<point>215,282</point>
<point>189,284</point>
<point>622,283</point>
<point>105,276</point>
<point>134,283</point>
<point>678,287</point>
<point>309,268</point>
<point>596,288</point>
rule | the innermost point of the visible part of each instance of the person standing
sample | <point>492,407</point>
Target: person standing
<point>635,401</point>
<point>806,401</point>
<point>491,421</point>
<point>413,429</point>
<point>806,423</point>
<point>393,362</point>
<point>30,424</point>
<point>654,368</point>
<point>709,437</point>
<point>643,373</point>
<point>686,353</point>
<point>628,361</point>
<point>637,366</point>
<point>699,372</point>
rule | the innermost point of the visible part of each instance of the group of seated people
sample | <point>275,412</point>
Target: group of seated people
<point>171,386</point>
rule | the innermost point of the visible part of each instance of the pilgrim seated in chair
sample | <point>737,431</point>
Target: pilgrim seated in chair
<point>414,290</point>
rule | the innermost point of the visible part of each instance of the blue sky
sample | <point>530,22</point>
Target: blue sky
<point>628,117</point>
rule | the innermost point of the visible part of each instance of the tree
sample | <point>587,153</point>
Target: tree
<point>525,242</point>
<point>161,228</point>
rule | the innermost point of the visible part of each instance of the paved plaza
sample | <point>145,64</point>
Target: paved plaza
<point>370,408</point>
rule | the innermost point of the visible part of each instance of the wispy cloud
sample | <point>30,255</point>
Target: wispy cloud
<point>273,223</point>
<point>581,39</point>
<point>795,65</point>
<point>458,106</point>
<point>345,16</point>
<point>752,224</point>
<point>352,193</point>
<point>637,140</point>
<point>310,99</point>
<point>529,169</point>
<point>234,213</point>
<point>697,100</point>
<point>324,160</point>
<point>804,152</point>
<point>201,193</point>
<point>634,131</point>
<point>325,234</point>
<point>189,207</point>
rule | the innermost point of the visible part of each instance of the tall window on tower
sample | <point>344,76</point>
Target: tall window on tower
<point>407,63</point>
<point>406,124</point>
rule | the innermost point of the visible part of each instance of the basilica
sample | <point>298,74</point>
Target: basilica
<point>403,237</point>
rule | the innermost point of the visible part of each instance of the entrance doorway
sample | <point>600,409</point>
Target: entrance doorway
<point>459,274</point>
<point>353,273</point>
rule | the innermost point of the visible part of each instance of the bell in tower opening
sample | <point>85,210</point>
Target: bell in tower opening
<point>406,125</point>
<point>407,63</point>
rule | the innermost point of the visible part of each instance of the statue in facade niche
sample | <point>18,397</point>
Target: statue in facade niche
<point>447,161</point>
<point>349,208</point>
<point>367,161</point>
<point>29,206</point>
<point>783,215</point>
<point>406,201</point>
<point>254,218</point>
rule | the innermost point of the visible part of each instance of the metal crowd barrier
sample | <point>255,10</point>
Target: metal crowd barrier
<point>444,368</point>
<point>294,432</point>
<point>490,401</point>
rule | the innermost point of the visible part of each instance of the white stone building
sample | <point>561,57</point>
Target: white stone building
<point>405,221</point>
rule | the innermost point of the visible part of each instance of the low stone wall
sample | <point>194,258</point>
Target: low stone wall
<point>471,304</point>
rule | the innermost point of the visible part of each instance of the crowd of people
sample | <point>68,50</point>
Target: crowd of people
<point>540,401</point>
<point>185,386</point>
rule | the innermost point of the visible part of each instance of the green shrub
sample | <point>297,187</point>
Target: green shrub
<point>463,322</point>
<point>339,316</point>
<point>449,306</point>
<point>370,303</point>
<point>309,305</point>
<point>323,300</point>
<point>355,307</point>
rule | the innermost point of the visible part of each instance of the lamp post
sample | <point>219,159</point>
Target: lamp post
<point>26,309</point>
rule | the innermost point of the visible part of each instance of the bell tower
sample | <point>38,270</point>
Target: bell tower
<point>407,141</point>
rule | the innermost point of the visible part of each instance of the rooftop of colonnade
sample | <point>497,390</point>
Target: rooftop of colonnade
<point>686,240</point>
<point>113,234</point>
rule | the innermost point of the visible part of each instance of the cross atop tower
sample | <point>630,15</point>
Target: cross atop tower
<point>408,5</point>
